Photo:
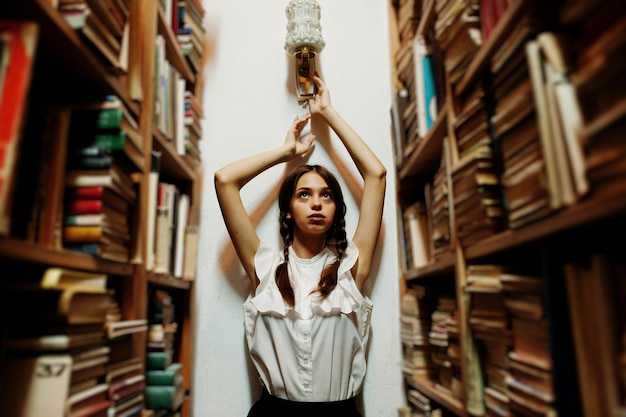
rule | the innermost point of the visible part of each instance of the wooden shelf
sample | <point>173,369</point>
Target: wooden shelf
<point>167,281</point>
<point>428,388</point>
<point>172,164</point>
<point>428,18</point>
<point>61,50</point>
<point>426,158</point>
<point>444,265</point>
<point>585,212</point>
<point>15,249</point>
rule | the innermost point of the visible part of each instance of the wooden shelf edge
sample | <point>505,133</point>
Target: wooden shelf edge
<point>488,49</point>
<point>427,153</point>
<point>16,249</point>
<point>445,264</point>
<point>584,212</point>
<point>428,389</point>
<point>167,281</point>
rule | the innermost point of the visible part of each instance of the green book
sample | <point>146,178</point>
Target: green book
<point>111,140</point>
<point>171,375</point>
<point>162,397</point>
<point>158,360</point>
<point>109,118</point>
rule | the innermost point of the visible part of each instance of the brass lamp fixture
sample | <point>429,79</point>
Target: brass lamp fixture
<point>304,41</point>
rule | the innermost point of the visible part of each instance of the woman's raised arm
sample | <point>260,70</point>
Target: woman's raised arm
<point>374,177</point>
<point>230,179</point>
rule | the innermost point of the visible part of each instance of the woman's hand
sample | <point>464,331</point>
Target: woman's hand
<point>321,101</point>
<point>294,141</point>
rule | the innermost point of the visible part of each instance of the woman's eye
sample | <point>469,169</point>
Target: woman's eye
<point>303,194</point>
<point>327,196</point>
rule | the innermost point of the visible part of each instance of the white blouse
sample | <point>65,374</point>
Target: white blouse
<point>317,350</point>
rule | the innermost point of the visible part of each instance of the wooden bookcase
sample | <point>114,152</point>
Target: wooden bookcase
<point>567,247</point>
<point>69,69</point>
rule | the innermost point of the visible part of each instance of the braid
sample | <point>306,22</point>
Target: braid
<point>282,272</point>
<point>328,280</point>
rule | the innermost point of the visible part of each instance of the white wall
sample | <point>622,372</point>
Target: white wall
<point>249,105</point>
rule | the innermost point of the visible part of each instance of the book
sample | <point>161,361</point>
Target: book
<point>169,376</point>
<point>121,328</point>
<point>50,187</point>
<point>107,196</point>
<point>158,359</point>
<point>36,386</point>
<point>191,252</point>
<point>181,222</point>
<point>89,402</point>
<point>58,305</point>
<point>65,278</point>
<point>18,46</point>
<point>153,187</point>
<point>164,397</point>
<point>114,178</point>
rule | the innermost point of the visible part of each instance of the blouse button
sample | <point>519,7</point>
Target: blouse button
<point>306,361</point>
<point>305,336</point>
<point>306,386</point>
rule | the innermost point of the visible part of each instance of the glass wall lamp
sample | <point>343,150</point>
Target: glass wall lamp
<point>304,41</point>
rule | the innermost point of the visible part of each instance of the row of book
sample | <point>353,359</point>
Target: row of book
<point>68,349</point>
<point>508,319</point>
<point>177,112</point>
<point>429,320</point>
<point>165,389</point>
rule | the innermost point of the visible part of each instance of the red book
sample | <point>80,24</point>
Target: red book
<point>17,53</point>
<point>84,193</point>
<point>83,207</point>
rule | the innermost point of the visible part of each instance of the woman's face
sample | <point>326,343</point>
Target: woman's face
<point>312,205</point>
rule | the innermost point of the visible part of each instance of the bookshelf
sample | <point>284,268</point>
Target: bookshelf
<point>73,72</point>
<point>535,269</point>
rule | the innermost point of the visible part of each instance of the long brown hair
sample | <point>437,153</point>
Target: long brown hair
<point>335,236</point>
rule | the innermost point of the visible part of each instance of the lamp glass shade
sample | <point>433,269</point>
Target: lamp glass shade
<point>304,41</point>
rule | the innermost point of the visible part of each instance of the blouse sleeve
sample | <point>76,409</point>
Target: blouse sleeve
<point>267,297</point>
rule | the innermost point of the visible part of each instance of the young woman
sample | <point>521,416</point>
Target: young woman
<point>307,322</point>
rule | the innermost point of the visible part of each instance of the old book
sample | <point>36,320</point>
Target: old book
<point>18,49</point>
<point>57,305</point>
<point>36,386</point>
<point>124,327</point>
<point>50,187</point>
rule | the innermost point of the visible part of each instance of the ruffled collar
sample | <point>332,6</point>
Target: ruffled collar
<point>344,299</point>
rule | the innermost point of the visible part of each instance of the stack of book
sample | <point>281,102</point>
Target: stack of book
<point>191,33</point>
<point>489,321</point>
<point>124,373</point>
<point>529,385</point>
<point>415,309</point>
<point>193,130</point>
<point>445,344</point>
<point>104,24</point>
<point>57,352</point>
<point>164,377</point>
<point>458,33</point>
<point>404,111</point>
<point>100,192</point>
<point>476,186</point>
<point>164,388</point>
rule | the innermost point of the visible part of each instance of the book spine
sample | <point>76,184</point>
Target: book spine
<point>84,193</point>
<point>75,207</point>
